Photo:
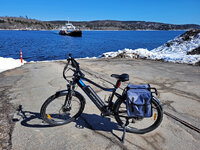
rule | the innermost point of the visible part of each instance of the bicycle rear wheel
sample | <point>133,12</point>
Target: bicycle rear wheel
<point>54,112</point>
<point>137,124</point>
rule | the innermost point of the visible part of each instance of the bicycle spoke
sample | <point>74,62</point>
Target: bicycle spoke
<point>54,112</point>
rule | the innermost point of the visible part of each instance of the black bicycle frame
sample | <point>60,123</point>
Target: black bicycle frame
<point>93,95</point>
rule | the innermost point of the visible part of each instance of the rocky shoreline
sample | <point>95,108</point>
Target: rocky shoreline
<point>182,49</point>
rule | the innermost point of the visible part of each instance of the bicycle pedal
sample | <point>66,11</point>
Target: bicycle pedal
<point>102,115</point>
<point>107,113</point>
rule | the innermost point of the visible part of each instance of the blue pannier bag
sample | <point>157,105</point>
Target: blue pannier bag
<point>138,101</point>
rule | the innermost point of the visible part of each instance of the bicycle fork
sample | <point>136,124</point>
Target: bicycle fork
<point>67,104</point>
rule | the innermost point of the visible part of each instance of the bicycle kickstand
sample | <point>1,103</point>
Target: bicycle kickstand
<point>124,129</point>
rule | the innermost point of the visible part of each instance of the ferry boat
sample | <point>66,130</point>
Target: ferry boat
<point>70,30</point>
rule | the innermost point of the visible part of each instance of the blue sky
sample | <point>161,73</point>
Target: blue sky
<point>166,11</point>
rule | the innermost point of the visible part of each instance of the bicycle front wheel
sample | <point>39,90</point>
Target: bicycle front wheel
<point>137,124</point>
<point>55,111</point>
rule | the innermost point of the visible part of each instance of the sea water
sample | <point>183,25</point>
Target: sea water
<point>49,45</point>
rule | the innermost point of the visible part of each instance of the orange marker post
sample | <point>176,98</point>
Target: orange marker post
<point>21,56</point>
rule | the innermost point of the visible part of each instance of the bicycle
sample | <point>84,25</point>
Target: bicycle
<point>67,105</point>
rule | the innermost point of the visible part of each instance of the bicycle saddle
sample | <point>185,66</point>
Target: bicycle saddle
<point>123,77</point>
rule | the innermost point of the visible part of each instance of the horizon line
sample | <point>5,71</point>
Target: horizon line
<point>103,20</point>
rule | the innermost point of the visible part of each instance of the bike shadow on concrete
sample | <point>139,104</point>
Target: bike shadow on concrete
<point>96,122</point>
<point>90,121</point>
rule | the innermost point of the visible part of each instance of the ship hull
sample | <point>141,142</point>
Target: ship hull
<point>75,33</point>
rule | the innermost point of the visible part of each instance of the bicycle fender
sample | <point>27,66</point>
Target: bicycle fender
<point>157,100</point>
<point>63,92</point>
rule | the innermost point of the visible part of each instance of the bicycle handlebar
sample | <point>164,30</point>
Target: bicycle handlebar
<point>74,64</point>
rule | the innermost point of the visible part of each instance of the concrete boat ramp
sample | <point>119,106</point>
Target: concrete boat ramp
<point>31,84</point>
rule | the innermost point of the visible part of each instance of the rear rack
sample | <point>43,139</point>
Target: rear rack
<point>150,89</point>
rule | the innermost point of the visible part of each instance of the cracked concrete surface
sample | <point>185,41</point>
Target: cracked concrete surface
<point>178,85</point>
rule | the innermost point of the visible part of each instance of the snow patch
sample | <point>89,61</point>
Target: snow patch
<point>9,63</point>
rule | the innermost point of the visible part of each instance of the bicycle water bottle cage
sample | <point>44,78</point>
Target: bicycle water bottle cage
<point>123,77</point>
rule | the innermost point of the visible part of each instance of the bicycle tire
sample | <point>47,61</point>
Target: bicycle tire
<point>132,128</point>
<point>47,109</point>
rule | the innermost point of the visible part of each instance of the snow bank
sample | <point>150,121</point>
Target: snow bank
<point>9,63</point>
<point>173,51</point>
<point>146,54</point>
